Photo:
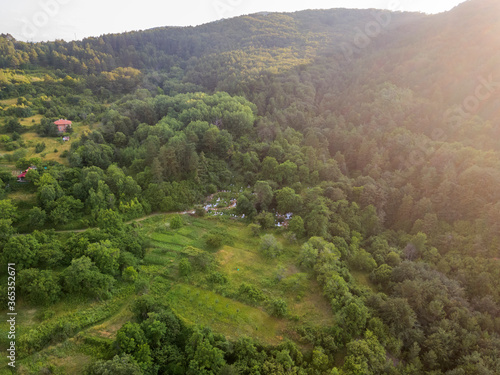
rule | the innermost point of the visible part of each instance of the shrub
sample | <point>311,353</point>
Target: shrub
<point>250,293</point>
<point>200,211</point>
<point>381,275</point>
<point>185,267</point>
<point>217,237</point>
<point>363,261</point>
<point>130,274</point>
<point>255,229</point>
<point>83,277</point>
<point>214,240</point>
<point>211,189</point>
<point>296,225</point>
<point>39,287</point>
<point>217,278</point>
<point>270,246</point>
<point>176,222</point>
<point>278,308</point>
<point>290,237</point>
<point>40,335</point>
<point>266,220</point>
<point>40,147</point>
<point>118,365</point>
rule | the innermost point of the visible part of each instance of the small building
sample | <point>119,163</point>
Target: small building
<point>22,177</point>
<point>62,125</point>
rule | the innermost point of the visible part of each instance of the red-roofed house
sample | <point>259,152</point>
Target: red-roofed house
<point>62,125</point>
<point>22,176</point>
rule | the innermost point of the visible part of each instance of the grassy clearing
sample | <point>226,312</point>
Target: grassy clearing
<point>9,101</point>
<point>231,318</point>
<point>363,278</point>
<point>190,298</point>
<point>22,196</point>
<point>54,146</point>
<point>29,121</point>
<point>278,278</point>
<point>313,308</point>
<point>241,262</point>
<point>64,358</point>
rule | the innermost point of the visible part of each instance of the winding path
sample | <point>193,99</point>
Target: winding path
<point>139,219</point>
<point>126,222</point>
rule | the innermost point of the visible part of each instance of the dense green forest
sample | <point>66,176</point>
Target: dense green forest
<point>307,193</point>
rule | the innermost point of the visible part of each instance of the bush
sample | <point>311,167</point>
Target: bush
<point>130,274</point>
<point>13,126</point>
<point>211,189</point>
<point>141,286</point>
<point>40,335</point>
<point>250,293</point>
<point>217,237</point>
<point>381,275</point>
<point>176,222</point>
<point>47,128</point>
<point>363,261</point>
<point>83,277</point>
<point>200,211</point>
<point>217,278</point>
<point>255,229</point>
<point>185,267</point>
<point>270,246</point>
<point>4,139</point>
<point>39,287</point>
<point>40,147</point>
<point>214,240</point>
<point>290,237</point>
<point>278,308</point>
<point>296,225</point>
<point>266,220</point>
<point>118,365</point>
<point>11,146</point>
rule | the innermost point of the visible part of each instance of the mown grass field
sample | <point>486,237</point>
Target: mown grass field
<point>8,101</point>
<point>231,318</point>
<point>192,299</point>
<point>240,262</point>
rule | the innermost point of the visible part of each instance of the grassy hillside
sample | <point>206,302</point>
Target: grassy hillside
<point>358,171</point>
<point>89,327</point>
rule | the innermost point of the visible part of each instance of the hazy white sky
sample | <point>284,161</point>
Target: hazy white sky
<point>38,20</point>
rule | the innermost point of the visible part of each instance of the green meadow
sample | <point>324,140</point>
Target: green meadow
<point>71,333</point>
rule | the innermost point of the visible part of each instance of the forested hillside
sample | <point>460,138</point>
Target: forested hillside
<point>304,193</point>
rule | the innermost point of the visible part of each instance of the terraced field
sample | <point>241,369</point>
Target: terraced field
<point>88,329</point>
